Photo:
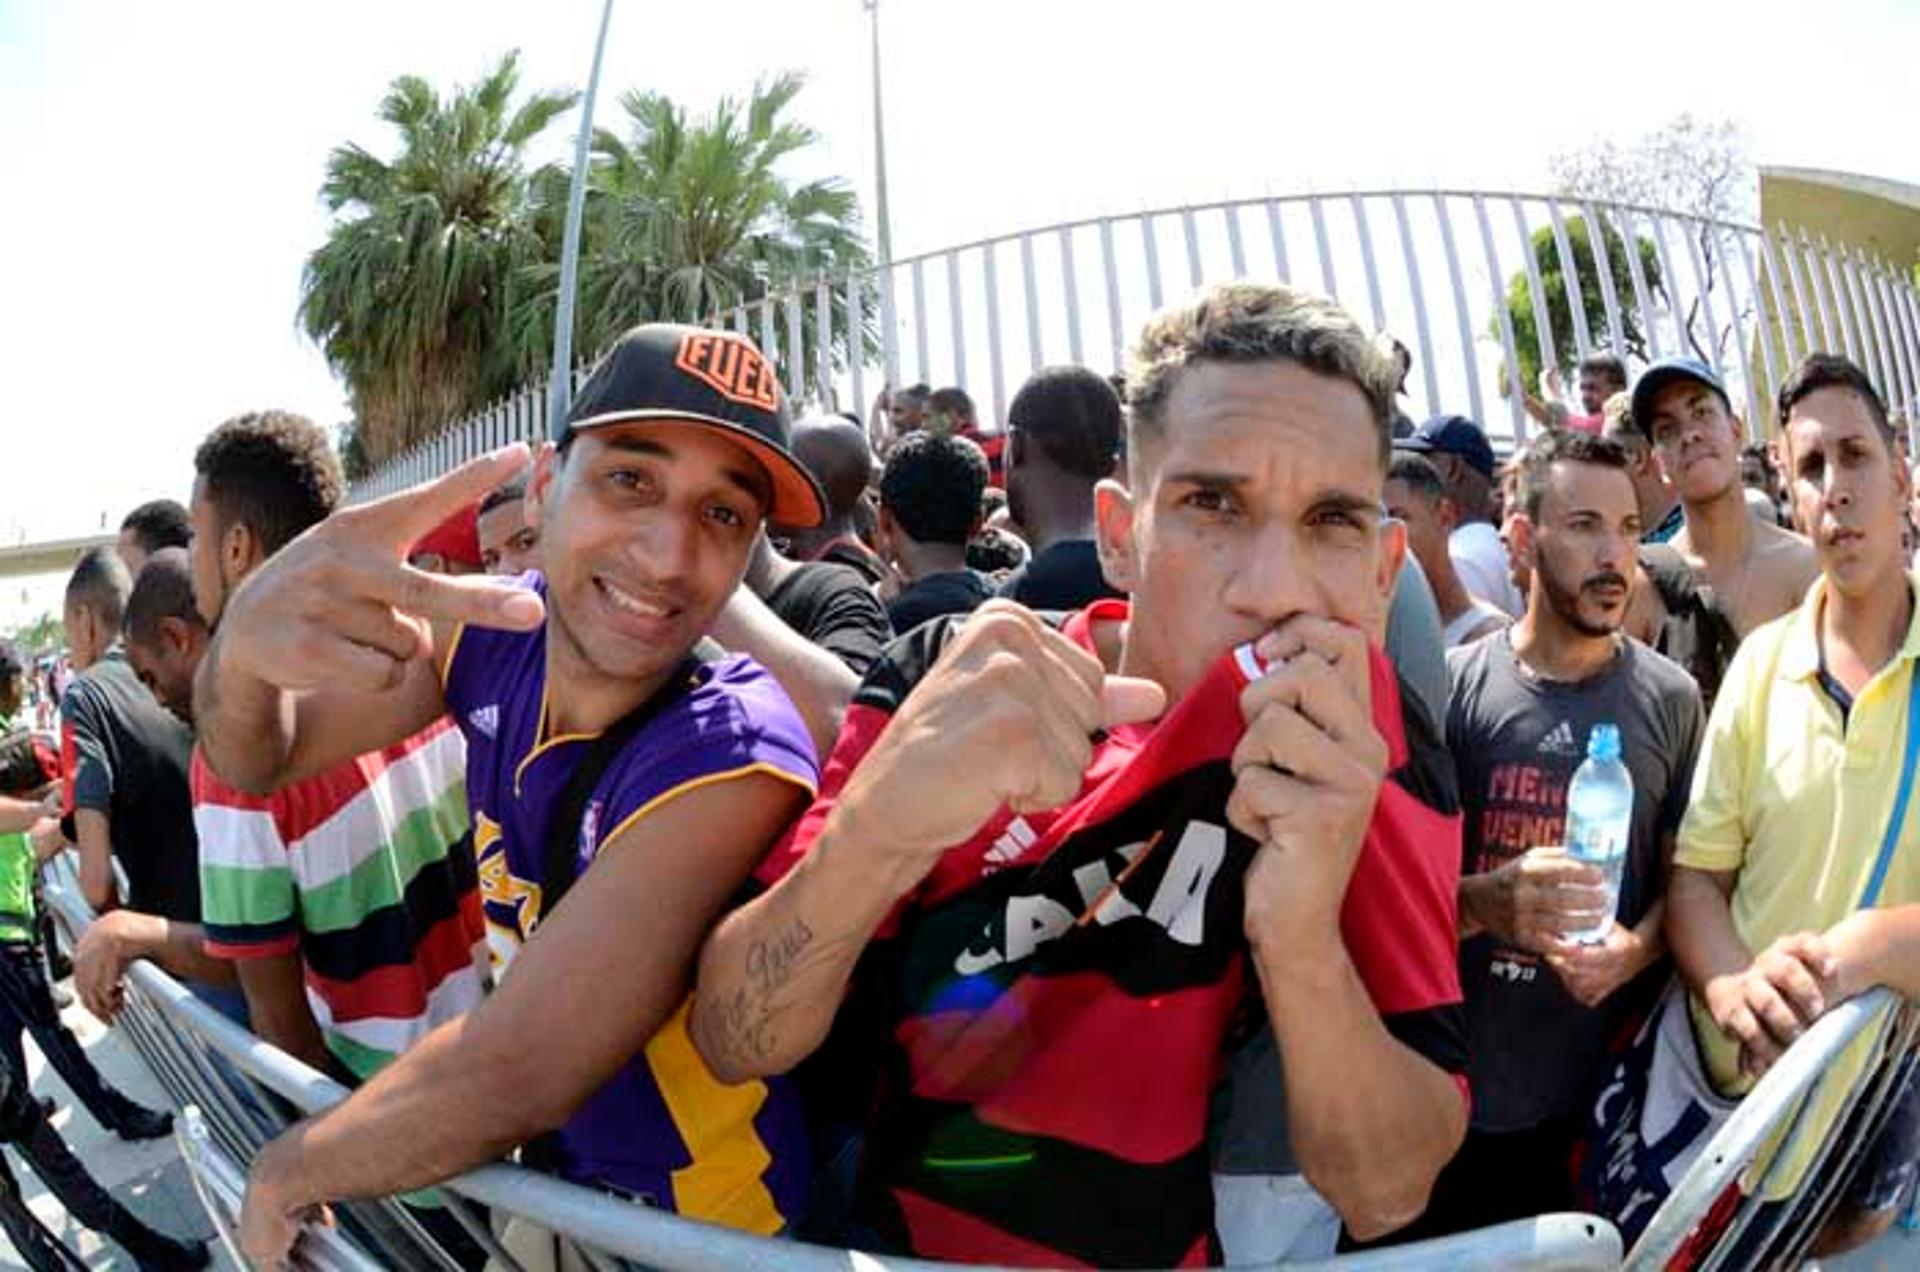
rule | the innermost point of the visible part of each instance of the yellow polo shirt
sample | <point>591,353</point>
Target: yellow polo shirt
<point>1797,803</point>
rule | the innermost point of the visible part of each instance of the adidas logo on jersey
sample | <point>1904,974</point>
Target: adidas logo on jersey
<point>1017,838</point>
<point>1559,742</point>
<point>486,721</point>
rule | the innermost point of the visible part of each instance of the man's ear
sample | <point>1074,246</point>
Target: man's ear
<point>1520,528</point>
<point>1447,514</point>
<point>546,471</point>
<point>1116,523</point>
<point>240,553</point>
<point>1393,556</point>
<point>175,636</point>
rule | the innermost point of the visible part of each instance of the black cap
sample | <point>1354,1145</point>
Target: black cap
<point>1452,435</point>
<point>717,379</point>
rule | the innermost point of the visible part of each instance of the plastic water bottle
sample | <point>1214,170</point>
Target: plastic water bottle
<point>1600,818</point>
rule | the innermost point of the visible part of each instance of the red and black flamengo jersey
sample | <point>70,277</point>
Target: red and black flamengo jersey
<point>1051,1040</point>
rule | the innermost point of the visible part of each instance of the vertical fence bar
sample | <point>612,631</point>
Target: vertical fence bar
<point>1603,267</point>
<point>1901,356</point>
<point>1761,335</point>
<point>1191,232</point>
<point>1682,329</point>
<point>1908,303</point>
<point>1813,321</point>
<point>1833,339</point>
<point>1711,233</point>
<point>1838,289</point>
<point>1428,373</point>
<point>1070,280</point>
<point>889,333</point>
<point>1496,282</point>
<point>1236,250</point>
<point>924,370</point>
<point>796,348</point>
<point>1327,274</point>
<point>1155,296</point>
<point>1777,289</point>
<point>1906,357</point>
<point>1637,278</point>
<point>1109,265</point>
<point>823,344</point>
<point>1036,353</point>
<point>1701,276</point>
<point>996,365</point>
<point>1462,316</point>
<point>742,324</point>
<point>1903,341</point>
<point>1542,319</point>
<point>1367,264</point>
<point>767,334</point>
<point>957,318</point>
<point>1570,276</point>
<point>1871,345</point>
<point>857,345</point>
<point>1278,233</point>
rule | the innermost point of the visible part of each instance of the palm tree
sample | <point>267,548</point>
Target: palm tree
<point>409,296</point>
<point>686,218</point>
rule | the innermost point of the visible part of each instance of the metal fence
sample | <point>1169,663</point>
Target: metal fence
<point>234,1092</point>
<point>1475,283</point>
<point>1750,1233</point>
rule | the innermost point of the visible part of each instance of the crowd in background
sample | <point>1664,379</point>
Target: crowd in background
<point>1133,832</point>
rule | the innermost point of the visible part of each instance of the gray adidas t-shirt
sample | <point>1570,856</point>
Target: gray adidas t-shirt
<point>1516,740</point>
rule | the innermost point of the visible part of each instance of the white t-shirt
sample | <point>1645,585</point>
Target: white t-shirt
<point>1480,559</point>
<point>1473,621</point>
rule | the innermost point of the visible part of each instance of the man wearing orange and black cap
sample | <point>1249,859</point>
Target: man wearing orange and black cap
<point>606,762</point>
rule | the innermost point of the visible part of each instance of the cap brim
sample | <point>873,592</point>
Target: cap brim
<point>1649,385</point>
<point>797,498</point>
<point>1416,443</point>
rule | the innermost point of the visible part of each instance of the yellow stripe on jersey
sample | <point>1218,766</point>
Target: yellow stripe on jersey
<point>725,1183</point>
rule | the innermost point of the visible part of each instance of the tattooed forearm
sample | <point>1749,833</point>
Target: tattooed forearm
<point>744,1035</point>
<point>770,962</point>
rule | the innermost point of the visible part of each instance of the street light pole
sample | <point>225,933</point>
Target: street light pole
<point>879,139</point>
<point>887,343</point>
<point>560,388</point>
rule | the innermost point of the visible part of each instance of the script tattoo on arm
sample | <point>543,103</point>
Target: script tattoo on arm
<point>747,1022</point>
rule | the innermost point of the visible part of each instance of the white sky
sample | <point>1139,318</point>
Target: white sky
<point>163,160</point>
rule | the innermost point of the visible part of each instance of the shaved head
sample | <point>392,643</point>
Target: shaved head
<point>835,450</point>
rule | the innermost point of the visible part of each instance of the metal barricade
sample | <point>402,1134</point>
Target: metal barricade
<point>235,1092</point>
<point>1759,1233</point>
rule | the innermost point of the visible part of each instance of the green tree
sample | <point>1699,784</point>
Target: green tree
<point>409,296</point>
<point>42,635</point>
<point>686,217</point>
<point>1553,286</point>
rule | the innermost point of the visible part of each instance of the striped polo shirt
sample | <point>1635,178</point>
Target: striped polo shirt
<point>365,871</point>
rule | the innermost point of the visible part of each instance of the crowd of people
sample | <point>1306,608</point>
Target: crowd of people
<point>1133,834</point>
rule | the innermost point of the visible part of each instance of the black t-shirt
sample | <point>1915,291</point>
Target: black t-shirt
<point>127,757</point>
<point>832,606</point>
<point>1065,577</point>
<point>856,556</point>
<point>953,592</point>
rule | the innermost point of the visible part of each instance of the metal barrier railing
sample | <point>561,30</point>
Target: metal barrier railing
<point>235,1092</point>
<point>1762,1234</point>
<point>1437,267</point>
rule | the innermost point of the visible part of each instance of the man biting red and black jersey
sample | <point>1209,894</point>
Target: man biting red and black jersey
<point>1049,864</point>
